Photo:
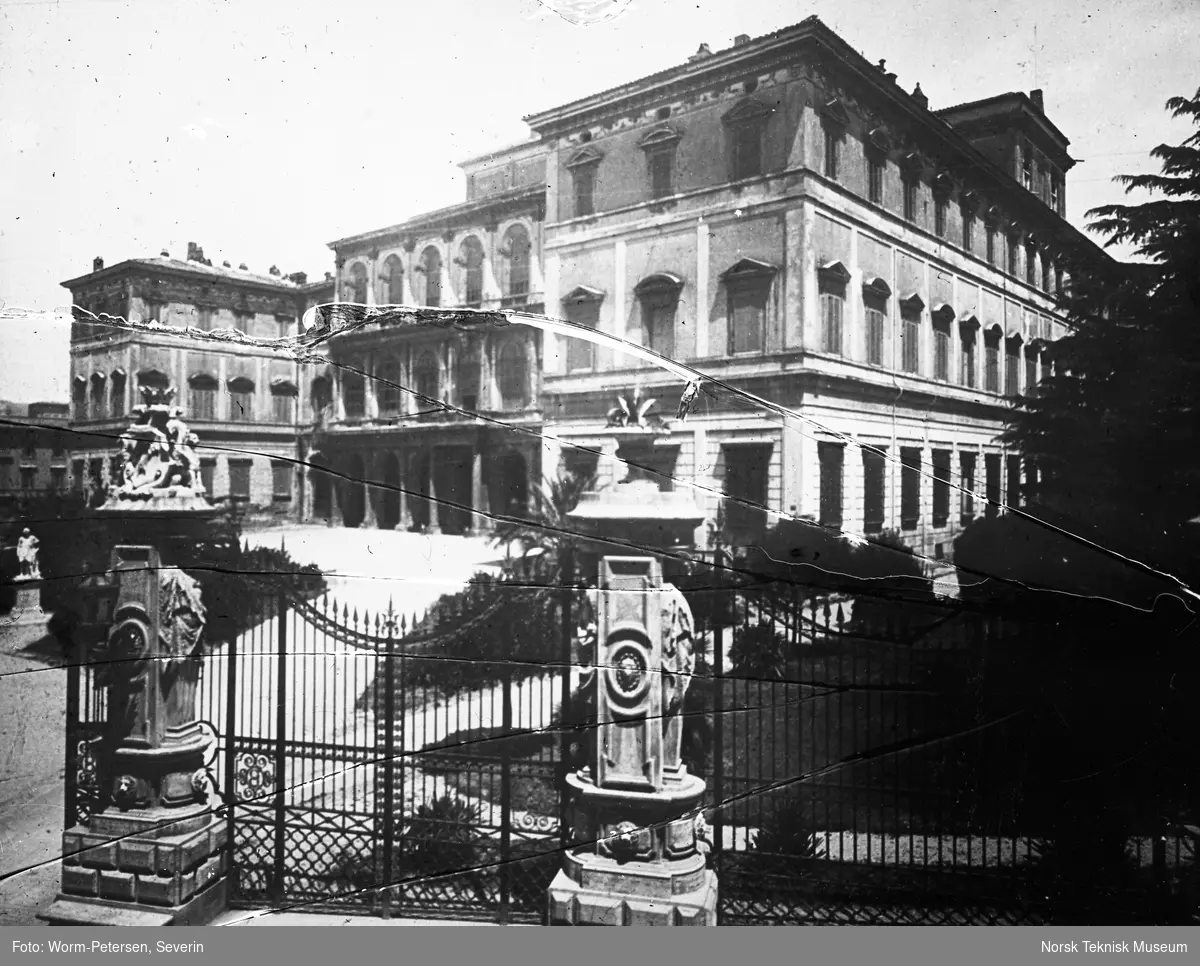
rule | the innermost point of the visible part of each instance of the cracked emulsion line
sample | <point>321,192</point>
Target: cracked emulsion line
<point>301,349</point>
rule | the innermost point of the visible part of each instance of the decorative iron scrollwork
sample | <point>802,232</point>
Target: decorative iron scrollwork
<point>255,775</point>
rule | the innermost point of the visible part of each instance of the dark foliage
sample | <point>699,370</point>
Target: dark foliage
<point>758,652</point>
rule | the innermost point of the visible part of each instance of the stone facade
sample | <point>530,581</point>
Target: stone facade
<point>245,398</point>
<point>35,447</point>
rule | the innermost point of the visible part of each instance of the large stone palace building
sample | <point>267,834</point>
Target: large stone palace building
<point>781,215</point>
<point>242,396</point>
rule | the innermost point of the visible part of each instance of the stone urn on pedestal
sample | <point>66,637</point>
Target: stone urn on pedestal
<point>154,851</point>
<point>637,859</point>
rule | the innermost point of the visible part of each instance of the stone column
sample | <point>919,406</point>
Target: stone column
<point>370,388</point>
<point>532,371</point>
<point>450,298</point>
<point>480,522</point>
<point>370,493</point>
<point>492,294</point>
<point>434,525</point>
<point>405,461</point>
<point>700,347</point>
<point>372,278</point>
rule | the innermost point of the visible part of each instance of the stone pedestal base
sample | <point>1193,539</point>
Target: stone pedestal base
<point>27,610</point>
<point>592,890</point>
<point>136,867</point>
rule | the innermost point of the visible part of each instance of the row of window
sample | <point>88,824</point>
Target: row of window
<point>29,450</point>
<point>100,398</point>
<point>207,317</point>
<point>90,474</point>
<point>26,477</point>
<point>516,249</point>
<point>1048,277</point>
<point>833,290</point>
<point>831,459</point>
<point>511,379</point>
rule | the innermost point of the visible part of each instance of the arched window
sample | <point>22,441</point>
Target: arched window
<point>517,250</point>
<point>202,396</point>
<point>511,375</point>
<point>241,400</point>
<point>358,283</point>
<point>320,395</point>
<point>354,396</point>
<point>470,259</point>
<point>116,394</point>
<point>79,398</point>
<point>388,387</point>
<point>431,271</point>
<point>393,271</point>
<point>427,378</point>
<point>659,297</point>
<point>97,406</point>
<point>283,401</point>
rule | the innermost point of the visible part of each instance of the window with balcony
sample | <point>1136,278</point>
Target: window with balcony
<point>582,307</point>
<point>282,475</point>
<point>393,280</point>
<point>941,487</point>
<point>96,405</point>
<point>968,488</point>
<point>874,482</point>
<point>428,379</point>
<point>830,458</point>
<point>511,373</point>
<point>991,361</point>
<point>942,322</point>
<point>283,402</point>
<point>241,400</point>
<point>910,334</point>
<point>658,296</point>
<point>517,251</point>
<point>470,260</point>
<point>746,124</point>
<point>875,304</point>
<point>358,283</point>
<point>239,479</point>
<point>387,387</point>
<point>202,396</point>
<point>354,392</point>
<point>431,274</point>
<point>968,335</point>
<point>747,292</point>
<point>831,285</point>
<point>910,488</point>
<point>116,394</point>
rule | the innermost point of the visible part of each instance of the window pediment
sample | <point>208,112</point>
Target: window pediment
<point>584,293</point>
<point>878,139</point>
<point>584,157</point>
<point>749,110</point>
<point>833,111</point>
<point>913,303</point>
<point>282,386</point>
<point>912,164</point>
<point>942,313</point>
<point>943,184</point>
<point>877,288</point>
<point>660,138</point>
<point>969,322</point>
<point>1016,333</point>
<point>749,270</point>
<point>660,283</point>
<point>834,272</point>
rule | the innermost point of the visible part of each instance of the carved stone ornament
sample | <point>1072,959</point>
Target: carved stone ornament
<point>158,451</point>
<point>125,791</point>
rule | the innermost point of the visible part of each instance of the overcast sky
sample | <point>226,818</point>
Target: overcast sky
<point>263,130</point>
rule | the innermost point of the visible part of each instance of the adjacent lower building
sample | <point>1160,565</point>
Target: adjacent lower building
<point>209,336</point>
<point>35,448</point>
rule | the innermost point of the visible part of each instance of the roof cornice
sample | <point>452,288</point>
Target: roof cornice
<point>138,266</point>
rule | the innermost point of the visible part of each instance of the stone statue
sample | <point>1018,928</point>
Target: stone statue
<point>27,556</point>
<point>158,451</point>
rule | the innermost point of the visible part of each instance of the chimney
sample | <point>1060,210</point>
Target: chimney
<point>300,278</point>
<point>195,252</point>
<point>225,264</point>
<point>329,276</point>
<point>273,270</point>
<point>918,95</point>
<point>97,263</point>
<point>165,254</point>
<point>243,267</point>
<point>741,40</point>
<point>1036,97</point>
<point>703,53</point>
<point>883,67</point>
<point>892,78</point>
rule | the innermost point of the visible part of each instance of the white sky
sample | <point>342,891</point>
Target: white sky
<point>264,129</point>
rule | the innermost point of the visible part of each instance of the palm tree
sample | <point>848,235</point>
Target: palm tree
<point>545,526</point>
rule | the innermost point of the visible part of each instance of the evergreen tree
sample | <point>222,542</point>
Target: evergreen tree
<point>1115,429</point>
